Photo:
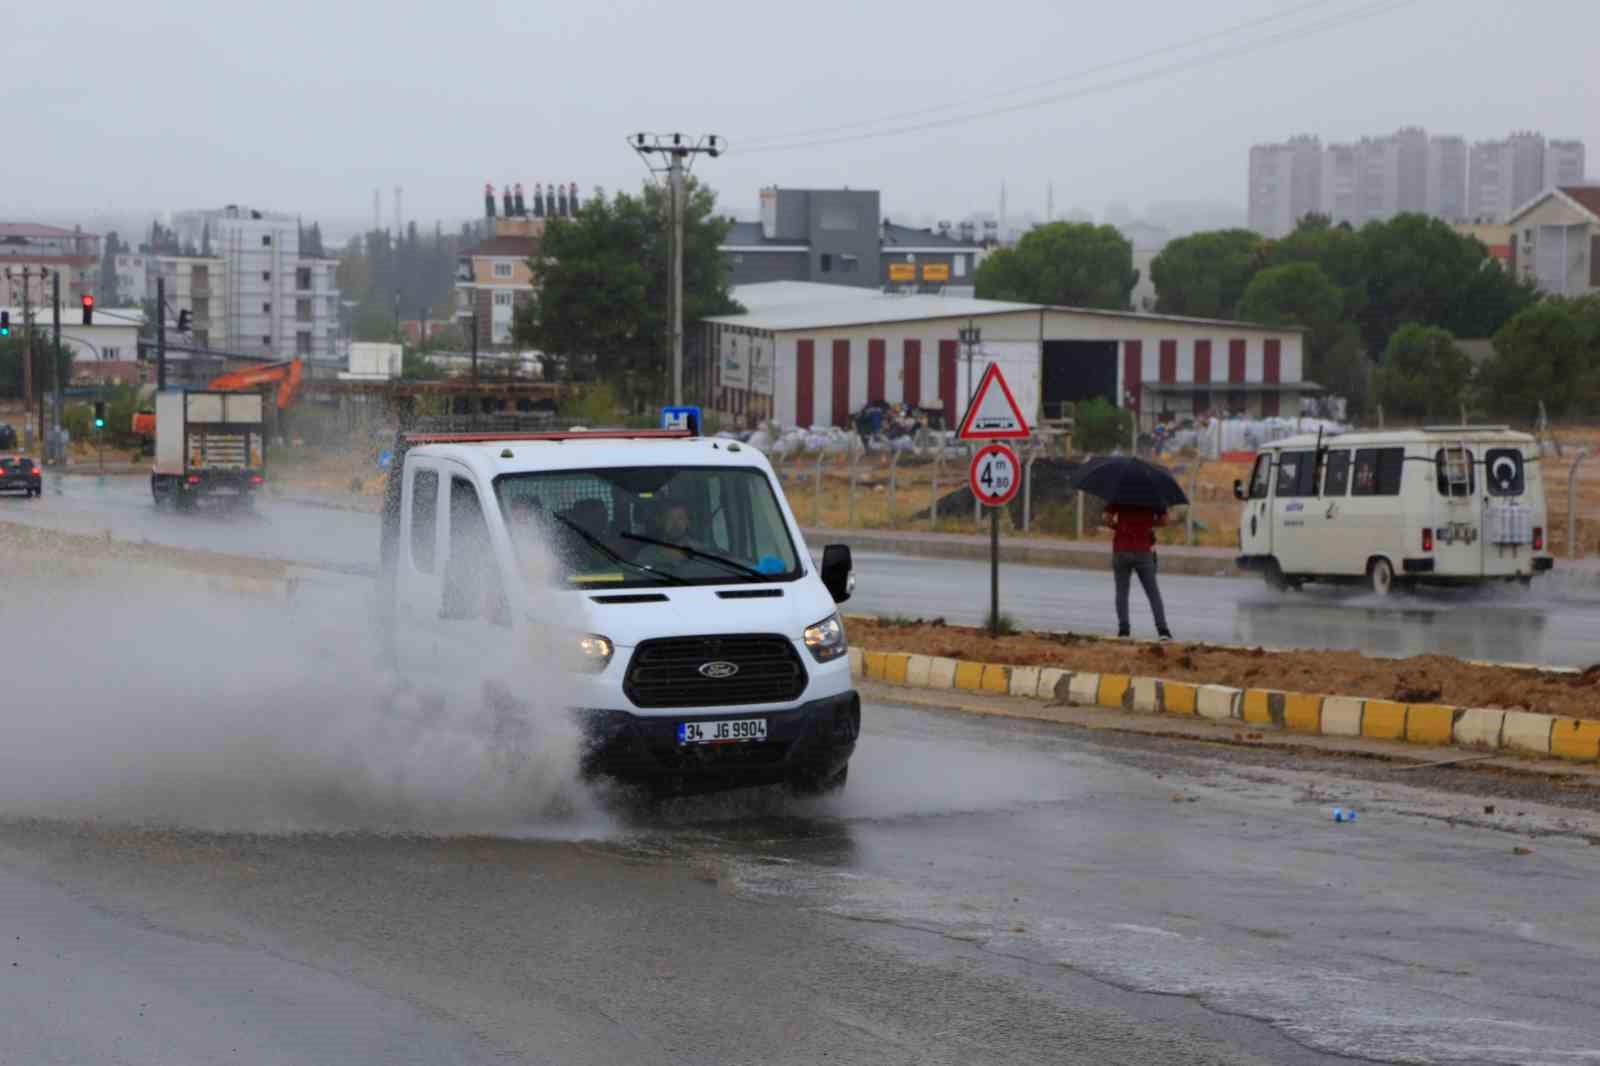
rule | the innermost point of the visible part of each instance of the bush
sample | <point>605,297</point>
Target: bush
<point>122,401</point>
<point>1098,426</point>
<point>593,405</point>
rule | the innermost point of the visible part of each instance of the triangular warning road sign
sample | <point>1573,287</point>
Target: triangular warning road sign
<point>993,414</point>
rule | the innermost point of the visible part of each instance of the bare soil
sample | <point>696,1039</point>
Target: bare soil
<point>1420,679</point>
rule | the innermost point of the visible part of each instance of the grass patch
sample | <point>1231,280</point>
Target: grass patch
<point>1004,625</point>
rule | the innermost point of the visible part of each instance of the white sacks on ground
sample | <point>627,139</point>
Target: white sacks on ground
<point>1213,437</point>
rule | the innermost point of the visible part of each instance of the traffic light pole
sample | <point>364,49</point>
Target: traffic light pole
<point>161,334</point>
<point>27,363</point>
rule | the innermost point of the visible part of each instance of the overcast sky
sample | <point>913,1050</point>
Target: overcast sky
<point>307,106</point>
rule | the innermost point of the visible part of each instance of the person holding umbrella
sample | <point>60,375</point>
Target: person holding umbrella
<point>1137,495</point>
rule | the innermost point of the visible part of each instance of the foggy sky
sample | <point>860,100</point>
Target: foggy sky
<point>306,107</point>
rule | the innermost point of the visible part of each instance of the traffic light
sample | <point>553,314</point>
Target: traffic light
<point>88,309</point>
<point>183,321</point>
<point>5,323</point>
<point>99,414</point>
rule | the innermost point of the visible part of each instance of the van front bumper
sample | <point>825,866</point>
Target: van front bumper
<point>806,744</point>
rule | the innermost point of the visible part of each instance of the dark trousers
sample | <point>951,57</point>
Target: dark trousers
<point>1123,566</point>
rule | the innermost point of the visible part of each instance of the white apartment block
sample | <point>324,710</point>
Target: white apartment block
<point>1377,178</point>
<point>260,296</point>
<point>1564,163</point>
<point>1286,183</point>
<point>1446,192</point>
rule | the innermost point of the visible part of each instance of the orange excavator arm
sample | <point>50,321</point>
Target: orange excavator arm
<point>286,376</point>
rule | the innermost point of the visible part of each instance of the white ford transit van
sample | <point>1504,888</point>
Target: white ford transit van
<point>1447,504</point>
<point>703,646</point>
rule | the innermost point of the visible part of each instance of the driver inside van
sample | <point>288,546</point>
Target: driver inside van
<point>671,525</point>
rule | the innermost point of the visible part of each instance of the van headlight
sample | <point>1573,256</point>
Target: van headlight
<point>826,640</point>
<point>594,652</point>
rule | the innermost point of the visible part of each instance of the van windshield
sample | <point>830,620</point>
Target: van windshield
<point>646,526</point>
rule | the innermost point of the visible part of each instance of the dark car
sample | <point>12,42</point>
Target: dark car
<point>18,473</point>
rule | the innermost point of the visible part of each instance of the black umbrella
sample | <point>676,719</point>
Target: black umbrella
<point>1131,482</point>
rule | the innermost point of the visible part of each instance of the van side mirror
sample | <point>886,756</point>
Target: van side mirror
<point>838,573</point>
<point>1238,489</point>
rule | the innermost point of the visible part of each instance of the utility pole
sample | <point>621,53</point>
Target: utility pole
<point>677,155</point>
<point>161,333</point>
<point>55,372</point>
<point>970,336</point>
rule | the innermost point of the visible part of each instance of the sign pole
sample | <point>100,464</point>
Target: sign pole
<point>994,571</point>
<point>995,475</point>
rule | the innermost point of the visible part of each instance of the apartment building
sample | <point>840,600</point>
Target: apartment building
<point>193,283</point>
<point>1445,195</point>
<point>36,249</point>
<point>1286,182</point>
<point>1407,171</point>
<point>255,294</point>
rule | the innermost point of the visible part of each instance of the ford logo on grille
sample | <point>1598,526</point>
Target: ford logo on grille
<point>719,669</point>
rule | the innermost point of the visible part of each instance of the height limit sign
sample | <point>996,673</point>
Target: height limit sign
<point>995,475</point>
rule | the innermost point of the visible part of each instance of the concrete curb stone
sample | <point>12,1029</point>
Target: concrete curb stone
<point>1312,714</point>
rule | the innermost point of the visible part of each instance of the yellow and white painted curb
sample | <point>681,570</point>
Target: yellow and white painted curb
<point>1486,728</point>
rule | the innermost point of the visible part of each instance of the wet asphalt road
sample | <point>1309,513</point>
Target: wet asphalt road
<point>983,892</point>
<point>1555,622</point>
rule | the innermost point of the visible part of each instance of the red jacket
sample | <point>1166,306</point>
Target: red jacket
<point>1134,526</point>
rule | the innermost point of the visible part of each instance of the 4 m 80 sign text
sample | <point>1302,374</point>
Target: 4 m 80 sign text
<point>995,475</point>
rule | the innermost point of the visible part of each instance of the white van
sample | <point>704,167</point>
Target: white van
<point>1446,504</point>
<point>705,647</point>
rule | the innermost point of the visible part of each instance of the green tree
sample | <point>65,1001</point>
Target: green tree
<point>1100,426</point>
<point>600,309</point>
<point>1548,352</point>
<point>1418,269</point>
<point>1071,264</point>
<point>106,290</point>
<point>12,356</point>
<point>1205,274</point>
<point>1423,373</point>
<point>416,366</point>
<point>1300,294</point>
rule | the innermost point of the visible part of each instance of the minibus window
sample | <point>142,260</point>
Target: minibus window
<point>1338,478</point>
<point>1297,473</point>
<point>1261,477</point>
<point>1454,469</point>
<point>1378,471</point>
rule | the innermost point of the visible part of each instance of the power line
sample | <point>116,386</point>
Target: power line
<point>1041,84</point>
<point>1358,15</point>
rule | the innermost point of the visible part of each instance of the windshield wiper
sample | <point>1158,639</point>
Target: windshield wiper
<point>710,557</point>
<point>612,554</point>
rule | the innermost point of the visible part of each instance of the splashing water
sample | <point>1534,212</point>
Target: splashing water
<point>149,698</point>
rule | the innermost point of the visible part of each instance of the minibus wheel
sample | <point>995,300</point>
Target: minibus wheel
<point>1380,574</point>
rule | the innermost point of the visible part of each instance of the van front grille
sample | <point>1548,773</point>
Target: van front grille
<point>695,671</point>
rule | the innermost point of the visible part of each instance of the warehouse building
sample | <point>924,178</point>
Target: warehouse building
<point>809,354</point>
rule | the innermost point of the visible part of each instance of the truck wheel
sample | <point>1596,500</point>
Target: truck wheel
<point>1380,575</point>
<point>1272,574</point>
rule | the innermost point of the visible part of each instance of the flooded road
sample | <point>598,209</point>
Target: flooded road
<point>982,892</point>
